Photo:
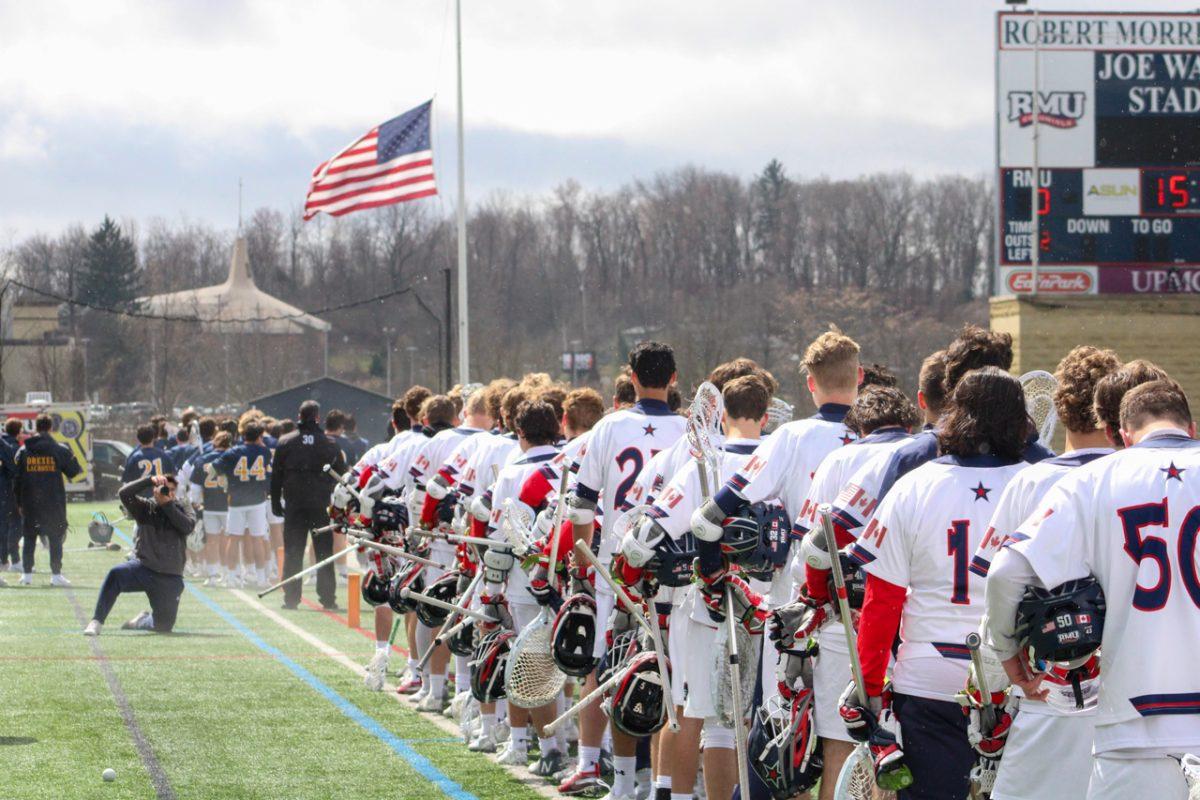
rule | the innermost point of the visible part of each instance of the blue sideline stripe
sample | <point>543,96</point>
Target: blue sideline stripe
<point>417,761</point>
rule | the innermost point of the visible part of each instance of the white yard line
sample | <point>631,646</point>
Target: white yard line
<point>523,775</point>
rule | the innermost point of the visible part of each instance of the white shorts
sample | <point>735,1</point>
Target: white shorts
<point>605,602</point>
<point>1047,755</point>
<point>248,518</point>
<point>697,662</point>
<point>1157,777</point>
<point>214,522</point>
<point>831,674</point>
<point>523,614</point>
<point>676,637</point>
<point>271,518</point>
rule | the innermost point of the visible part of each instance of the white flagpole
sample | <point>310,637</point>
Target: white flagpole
<point>464,366</point>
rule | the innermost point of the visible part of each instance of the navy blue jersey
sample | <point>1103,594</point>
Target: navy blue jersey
<point>214,486</point>
<point>180,454</point>
<point>248,470</point>
<point>343,444</point>
<point>355,448</point>
<point>146,462</point>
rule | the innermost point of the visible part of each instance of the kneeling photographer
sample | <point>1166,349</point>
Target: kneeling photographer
<point>160,549</point>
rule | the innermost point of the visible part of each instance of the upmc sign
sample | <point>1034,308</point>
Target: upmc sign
<point>1117,112</point>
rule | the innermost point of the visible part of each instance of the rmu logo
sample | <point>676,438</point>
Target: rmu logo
<point>1057,109</point>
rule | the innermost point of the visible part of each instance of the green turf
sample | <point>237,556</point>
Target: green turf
<point>224,719</point>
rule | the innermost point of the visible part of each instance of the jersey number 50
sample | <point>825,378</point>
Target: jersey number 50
<point>1154,548</point>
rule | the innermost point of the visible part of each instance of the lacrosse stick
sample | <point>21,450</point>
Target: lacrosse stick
<point>1039,387</point>
<point>327,529</point>
<point>452,538</point>
<point>624,523</point>
<point>409,594</point>
<point>587,700</point>
<point>363,541</point>
<point>704,416</point>
<point>96,548</point>
<point>779,411</point>
<point>453,624</point>
<point>983,774</point>
<point>307,571</point>
<point>1190,764</point>
<point>531,678</point>
<point>366,503</point>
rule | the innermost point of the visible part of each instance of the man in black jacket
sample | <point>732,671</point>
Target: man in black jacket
<point>160,549</point>
<point>300,490</point>
<point>41,466</point>
<point>10,522</point>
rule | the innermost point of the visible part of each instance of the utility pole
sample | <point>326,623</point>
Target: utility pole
<point>1035,253</point>
<point>464,350</point>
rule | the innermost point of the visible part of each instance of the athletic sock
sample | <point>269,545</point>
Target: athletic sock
<point>381,645</point>
<point>589,757</point>
<point>663,782</point>
<point>487,722</point>
<point>624,775</point>
<point>437,685</point>
<point>560,741</point>
<point>546,745</point>
<point>519,737</point>
<point>462,673</point>
<point>675,796</point>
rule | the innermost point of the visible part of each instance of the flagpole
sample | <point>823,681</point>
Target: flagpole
<point>464,366</point>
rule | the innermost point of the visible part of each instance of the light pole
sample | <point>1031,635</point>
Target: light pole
<point>87,397</point>
<point>388,333</point>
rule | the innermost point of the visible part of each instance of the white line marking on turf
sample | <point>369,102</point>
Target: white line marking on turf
<point>530,781</point>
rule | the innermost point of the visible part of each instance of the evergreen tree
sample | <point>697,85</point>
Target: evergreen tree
<point>110,276</point>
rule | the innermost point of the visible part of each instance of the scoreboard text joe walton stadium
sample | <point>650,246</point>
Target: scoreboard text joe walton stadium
<point>1118,154</point>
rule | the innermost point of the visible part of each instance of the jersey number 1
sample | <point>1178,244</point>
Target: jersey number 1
<point>957,542</point>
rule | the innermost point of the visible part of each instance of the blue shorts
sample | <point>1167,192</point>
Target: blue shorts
<point>936,749</point>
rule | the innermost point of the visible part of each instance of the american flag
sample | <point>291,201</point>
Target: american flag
<point>391,163</point>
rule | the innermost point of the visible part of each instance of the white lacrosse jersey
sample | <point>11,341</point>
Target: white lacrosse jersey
<point>455,464</point>
<point>1021,498</point>
<point>379,452</point>
<point>782,469</point>
<point>483,467</point>
<point>508,485</point>
<point>436,452</point>
<point>1132,519</point>
<point>673,508</point>
<point>922,537</point>
<point>620,446</point>
<point>831,476</point>
<point>552,469</point>
<point>663,467</point>
<point>394,466</point>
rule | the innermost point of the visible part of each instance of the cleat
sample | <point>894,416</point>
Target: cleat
<point>432,704</point>
<point>26,579</point>
<point>410,686</point>
<point>644,784</point>
<point>92,629</point>
<point>484,743</point>
<point>549,765</point>
<point>457,705</point>
<point>376,671</point>
<point>142,622</point>
<point>513,756</point>
<point>583,783</point>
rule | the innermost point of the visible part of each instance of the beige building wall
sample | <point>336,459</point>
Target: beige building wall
<point>1163,328</point>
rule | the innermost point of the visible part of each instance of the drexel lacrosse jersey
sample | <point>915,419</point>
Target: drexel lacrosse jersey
<point>922,537</point>
<point>1132,519</point>
<point>620,446</point>
<point>1021,498</point>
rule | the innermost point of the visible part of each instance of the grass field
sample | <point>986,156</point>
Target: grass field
<point>243,701</point>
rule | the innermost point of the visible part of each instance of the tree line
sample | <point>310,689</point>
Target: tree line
<point>716,264</point>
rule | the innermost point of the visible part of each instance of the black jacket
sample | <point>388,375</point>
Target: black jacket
<point>41,465</point>
<point>298,476</point>
<point>161,539</point>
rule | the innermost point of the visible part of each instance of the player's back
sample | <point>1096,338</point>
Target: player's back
<point>145,462</point>
<point>247,469</point>
<point>214,487</point>
<point>1133,520</point>
<point>834,473</point>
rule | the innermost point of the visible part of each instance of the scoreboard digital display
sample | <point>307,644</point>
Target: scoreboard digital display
<point>1118,119</point>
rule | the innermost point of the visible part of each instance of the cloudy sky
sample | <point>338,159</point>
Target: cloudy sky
<point>142,109</point>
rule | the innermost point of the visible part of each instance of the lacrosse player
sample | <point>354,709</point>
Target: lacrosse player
<point>616,451</point>
<point>209,489</point>
<point>147,460</point>
<point>537,431</point>
<point>916,553</point>
<point>883,418</point>
<point>245,467</point>
<point>1128,521</point>
<point>973,348</point>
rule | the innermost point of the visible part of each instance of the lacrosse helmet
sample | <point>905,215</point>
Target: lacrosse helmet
<point>783,745</point>
<point>389,516</point>
<point>756,537</point>
<point>462,643</point>
<point>1062,625</point>
<point>407,577</point>
<point>637,705</point>
<point>100,530</point>
<point>673,559</point>
<point>573,635</point>
<point>444,588</point>
<point>488,664</point>
<point>375,589</point>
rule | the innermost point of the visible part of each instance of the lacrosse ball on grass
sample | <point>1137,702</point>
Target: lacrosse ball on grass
<point>109,775</point>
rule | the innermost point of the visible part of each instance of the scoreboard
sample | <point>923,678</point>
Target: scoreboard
<point>1118,118</point>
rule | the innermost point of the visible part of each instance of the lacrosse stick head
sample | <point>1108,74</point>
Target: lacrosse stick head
<point>856,781</point>
<point>704,421</point>
<point>515,524</point>
<point>100,530</point>
<point>531,677</point>
<point>1039,387</point>
<point>722,683</point>
<point>779,412</point>
<point>625,646</point>
<point>1190,764</point>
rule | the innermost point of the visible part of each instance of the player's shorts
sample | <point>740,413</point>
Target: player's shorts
<point>215,522</point>
<point>1158,777</point>
<point>271,518</point>
<point>248,518</point>
<point>605,602</point>
<point>676,637</point>
<point>831,674</point>
<point>523,614</point>
<point>936,749</point>
<point>696,664</point>
<point>1047,755</point>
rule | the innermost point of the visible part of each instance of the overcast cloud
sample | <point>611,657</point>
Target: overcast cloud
<point>141,109</point>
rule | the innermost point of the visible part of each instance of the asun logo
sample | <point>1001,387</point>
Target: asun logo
<point>1057,109</point>
<point>1112,190</point>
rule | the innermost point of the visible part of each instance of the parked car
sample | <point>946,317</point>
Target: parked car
<point>108,461</point>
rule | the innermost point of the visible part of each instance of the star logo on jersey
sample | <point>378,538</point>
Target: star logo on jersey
<point>981,492</point>
<point>649,429</point>
<point>1173,472</point>
<point>846,438</point>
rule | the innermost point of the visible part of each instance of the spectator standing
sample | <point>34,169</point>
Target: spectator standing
<point>10,520</point>
<point>42,467</point>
